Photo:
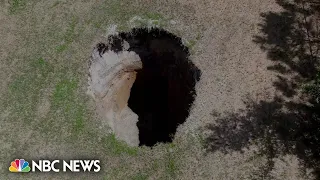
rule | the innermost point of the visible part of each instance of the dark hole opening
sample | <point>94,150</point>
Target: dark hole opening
<point>164,88</point>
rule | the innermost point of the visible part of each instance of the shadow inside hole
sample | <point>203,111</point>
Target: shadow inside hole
<point>164,88</point>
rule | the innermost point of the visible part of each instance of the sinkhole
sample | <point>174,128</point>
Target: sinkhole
<point>164,88</point>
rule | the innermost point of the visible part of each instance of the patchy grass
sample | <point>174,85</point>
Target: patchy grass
<point>117,12</point>
<point>56,4</point>
<point>153,15</point>
<point>140,176</point>
<point>65,102</point>
<point>25,90</point>
<point>191,43</point>
<point>69,36</point>
<point>17,5</point>
<point>171,167</point>
<point>79,119</point>
<point>64,91</point>
<point>61,48</point>
<point>112,12</point>
<point>120,172</point>
<point>118,147</point>
<point>49,64</point>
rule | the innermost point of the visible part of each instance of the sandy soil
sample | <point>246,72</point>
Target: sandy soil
<point>111,78</point>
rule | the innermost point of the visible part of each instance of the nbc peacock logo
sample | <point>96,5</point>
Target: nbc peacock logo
<point>19,165</point>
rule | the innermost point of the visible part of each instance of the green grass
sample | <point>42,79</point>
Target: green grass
<point>118,147</point>
<point>25,90</point>
<point>69,36</point>
<point>201,140</point>
<point>172,160</point>
<point>171,167</point>
<point>68,105</point>
<point>191,43</point>
<point>140,176</point>
<point>61,48</point>
<point>153,16</point>
<point>64,92</point>
<point>17,5</point>
<point>79,119</point>
<point>120,11</point>
<point>118,172</point>
<point>56,4</point>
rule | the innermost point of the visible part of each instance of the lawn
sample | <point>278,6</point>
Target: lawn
<point>46,113</point>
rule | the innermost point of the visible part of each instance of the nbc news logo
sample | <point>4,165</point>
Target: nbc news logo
<point>20,165</point>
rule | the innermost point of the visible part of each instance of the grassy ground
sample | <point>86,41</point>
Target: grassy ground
<point>46,114</point>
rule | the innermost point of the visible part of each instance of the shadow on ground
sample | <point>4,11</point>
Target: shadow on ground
<point>276,131</point>
<point>291,40</point>
<point>283,125</point>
